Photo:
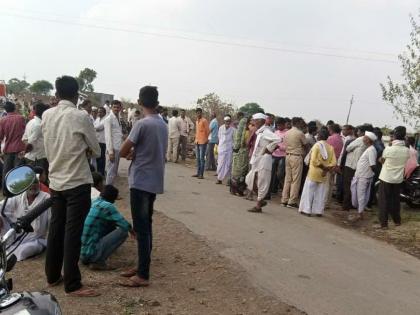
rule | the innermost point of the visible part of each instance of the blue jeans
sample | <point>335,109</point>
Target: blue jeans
<point>201,158</point>
<point>142,212</point>
<point>107,245</point>
<point>277,174</point>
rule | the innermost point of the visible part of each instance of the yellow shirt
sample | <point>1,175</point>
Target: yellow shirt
<point>315,171</point>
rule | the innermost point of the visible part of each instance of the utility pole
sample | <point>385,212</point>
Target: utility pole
<point>351,106</point>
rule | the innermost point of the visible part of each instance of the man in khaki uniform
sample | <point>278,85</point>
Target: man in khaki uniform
<point>295,150</point>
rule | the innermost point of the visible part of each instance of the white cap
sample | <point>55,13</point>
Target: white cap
<point>370,135</point>
<point>227,118</point>
<point>259,116</point>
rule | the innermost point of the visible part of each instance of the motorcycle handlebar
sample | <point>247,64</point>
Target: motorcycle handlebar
<point>25,221</point>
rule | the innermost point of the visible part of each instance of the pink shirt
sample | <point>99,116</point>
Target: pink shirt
<point>12,128</point>
<point>281,150</point>
<point>336,142</point>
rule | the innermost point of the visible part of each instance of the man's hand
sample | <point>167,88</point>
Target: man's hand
<point>130,155</point>
<point>112,156</point>
<point>21,155</point>
<point>267,151</point>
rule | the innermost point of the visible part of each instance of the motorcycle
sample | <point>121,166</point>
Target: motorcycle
<point>410,190</point>
<point>16,182</point>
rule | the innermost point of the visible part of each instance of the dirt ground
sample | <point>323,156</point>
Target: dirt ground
<point>188,277</point>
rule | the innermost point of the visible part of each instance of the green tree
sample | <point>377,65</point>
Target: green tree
<point>16,86</point>
<point>405,97</point>
<point>85,79</point>
<point>211,103</point>
<point>42,87</point>
<point>251,109</point>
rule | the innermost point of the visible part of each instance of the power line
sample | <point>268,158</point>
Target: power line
<point>210,41</point>
<point>206,33</point>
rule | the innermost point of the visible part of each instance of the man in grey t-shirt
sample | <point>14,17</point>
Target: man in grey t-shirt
<point>146,147</point>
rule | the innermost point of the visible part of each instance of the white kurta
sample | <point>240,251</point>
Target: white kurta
<point>225,152</point>
<point>36,241</point>
<point>262,163</point>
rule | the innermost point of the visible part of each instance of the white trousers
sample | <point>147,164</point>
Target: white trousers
<point>112,168</point>
<point>360,192</point>
<point>313,198</point>
<point>30,248</point>
<point>263,182</point>
<point>172,152</point>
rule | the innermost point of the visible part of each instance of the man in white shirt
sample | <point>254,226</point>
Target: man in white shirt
<point>107,107</point>
<point>394,159</point>
<point>100,135</point>
<point>186,126</point>
<point>174,129</point>
<point>69,140</point>
<point>113,140</point>
<point>33,139</point>
<point>35,242</point>
<point>131,115</point>
<point>363,177</point>
<point>261,161</point>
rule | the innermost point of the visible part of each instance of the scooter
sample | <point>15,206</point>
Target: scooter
<point>16,182</point>
<point>410,190</point>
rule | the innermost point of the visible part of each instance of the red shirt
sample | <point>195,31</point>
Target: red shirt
<point>12,128</point>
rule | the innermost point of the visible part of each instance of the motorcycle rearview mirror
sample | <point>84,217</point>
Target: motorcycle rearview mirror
<point>17,181</point>
<point>11,262</point>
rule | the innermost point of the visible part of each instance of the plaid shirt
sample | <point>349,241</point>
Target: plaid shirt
<point>103,217</point>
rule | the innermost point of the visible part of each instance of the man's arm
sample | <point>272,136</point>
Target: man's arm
<point>113,215</point>
<point>90,137</point>
<point>352,146</point>
<point>108,135</point>
<point>126,148</point>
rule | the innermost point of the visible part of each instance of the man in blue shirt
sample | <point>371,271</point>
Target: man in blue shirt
<point>213,140</point>
<point>104,231</point>
<point>146,147</point>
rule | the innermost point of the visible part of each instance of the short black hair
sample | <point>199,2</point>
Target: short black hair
<point>312,127</point>
<point>280,121</point>
<point>350,127</point>
<point>38,170</point>
<point>411,141</point>
<point>400,132</point>
<point>110,193</point>
<point>107,102</point>
<point>137,112</point>
<point>148,96</point>
<point>175,113</point>
<point>378,132</point>
<point>116,102</point>
<point>296,121</point>
<point>9,107</point>
<point>323,133</point>
<point>40,108</point>
<point>330,122</point>
<point>335,128</point>
<point>67,87</point>
<point>287,119</point>
<point>97,178</point>
<point>270,115</point>
<point>198,110</point>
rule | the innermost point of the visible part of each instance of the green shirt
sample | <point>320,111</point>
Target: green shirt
<point>102,219</point>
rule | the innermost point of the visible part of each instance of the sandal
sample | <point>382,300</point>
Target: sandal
<point>255,210</point>
<point>134,282</point>
<point>57,283</point>
<point>129,272</point>
<point>84,292</point>
<point>263,203</point>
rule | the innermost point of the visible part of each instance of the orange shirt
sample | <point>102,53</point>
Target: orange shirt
<point>202,131</point>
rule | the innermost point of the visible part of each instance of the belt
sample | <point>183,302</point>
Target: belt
<point>292,154</point>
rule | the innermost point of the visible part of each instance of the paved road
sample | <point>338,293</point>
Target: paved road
<point>316,266</point>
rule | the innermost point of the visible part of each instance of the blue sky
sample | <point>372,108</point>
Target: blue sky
<point>295,57</point>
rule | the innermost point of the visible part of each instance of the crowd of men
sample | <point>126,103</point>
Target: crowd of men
<point>75,150</point>
<point>306,163</point>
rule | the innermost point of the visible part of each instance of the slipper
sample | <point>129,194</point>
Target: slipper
<point>57,283</point>
<point>134,282</point>
<point>255,210</point>
<point>129,272</point>
<point>84,292</point>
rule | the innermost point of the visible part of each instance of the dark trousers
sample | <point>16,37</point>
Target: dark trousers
<point>100,162</point>
<point>201,158</point>
<point>389,203</point>
<point>68,214</point>
<point>277,174</point>
<point>183,141</point>
<point>347,178</point>
<point>142,212</point>
<point>10,161</point>
<point>210,159</point>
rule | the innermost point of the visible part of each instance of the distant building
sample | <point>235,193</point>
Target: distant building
<point>101,98</point>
